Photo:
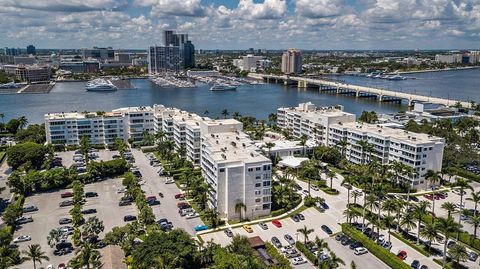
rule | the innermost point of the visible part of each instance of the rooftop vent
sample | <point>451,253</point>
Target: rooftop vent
<point>233,144</point>
<point>224,156</point>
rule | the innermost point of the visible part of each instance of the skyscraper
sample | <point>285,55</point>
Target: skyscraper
<point>169,38</point>
<point>188,55</point>
<point>292,61</point>
<point>31,50</point>
<point>163,59</point>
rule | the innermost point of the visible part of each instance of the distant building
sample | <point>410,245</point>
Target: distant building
<point>122,57</point>
<point>6,59</point>
<point>251,63</point>
<point>78,67</point>
<point>29,73</point>
<point>31,50</point>
<point>292,61</point>
<point>140,62</point>
<point>188,55</point>
<point>12,51</point>
<point>170,38</point>
<point>474,57</point>
<point>98,53</point>
<point>163,59</point>
<point>24,60</point>
<point>449,58</point>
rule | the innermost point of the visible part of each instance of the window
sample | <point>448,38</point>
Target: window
<point>258,200</point>
<point>258,185</point>
<point>258,177</point>
<point>250,169</point>
<point>266,206</point>
<point>257,168</point>
<point>258,192</point>
<point>266,183</point>
<point>222,170</point>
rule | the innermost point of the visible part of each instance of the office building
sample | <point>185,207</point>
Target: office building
<point>98,53</point>
<point>24,60</point>
<point>311,121</point>
<point>251,63</point>
<point>170,38</point>
<point>164,59</point>
<point>78,67</point>
<point>292,62</point>
<point>422,152</point>
<point>448,58</point>
<point>188,55</point>
<point>29,73</point>
<point>122,57</point>
<point>31,50</point>
<point>12,51</point>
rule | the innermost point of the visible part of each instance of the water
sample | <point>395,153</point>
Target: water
<point>462,85</point>
<point>252,100</point>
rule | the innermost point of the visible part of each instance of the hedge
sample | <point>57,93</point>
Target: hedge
<point>411,244</point>
<point>464,173</point>
<point>383,254</point>
<point>2,156</point>
<point>302,248</point>
<point>283,262</point>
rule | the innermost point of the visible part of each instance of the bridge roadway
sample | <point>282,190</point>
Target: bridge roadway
<point>383,95</point>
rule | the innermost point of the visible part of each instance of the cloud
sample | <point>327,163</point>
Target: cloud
<point>66,6</point>
<point>314,9</point>
<point>268,10</point>
<point>188,8</point>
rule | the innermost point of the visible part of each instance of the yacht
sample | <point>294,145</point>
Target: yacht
<point>396,77</point>
<point>219,87</point>
<point>100,85</point>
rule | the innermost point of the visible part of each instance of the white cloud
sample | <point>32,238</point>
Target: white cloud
<point>315,9</point>
<point>269,9</point>
<point>189,8</point>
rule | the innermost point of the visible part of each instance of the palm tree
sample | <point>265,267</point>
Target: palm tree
<point>400,205</point>
<point>331,175</point>
<point>419,211</point>
<point>303,142</point>
<point>475,222</point>
<point>342,144</point>
<point>334,261</point>
<point>225,113</point>
<point>269,146</point>
<point>475,197</point>
<point>93,226</point>
<point>86,257</point>
<point>272,118</point>
<point>430,233</point>
<point>240,207</point>
<point>431,177</point>
<point>320,244</point>
<point>367,149</point>
<point>347,182</point>
<point>389,221</point>
<point>458,253</point>
<point>206,112</point>
<point>236,115</point>
<point>305,231</point>
<point>449,207</point>
<point>461,184</point>
<point>54,237</point>
<point>212,217</point>
<point>448,227</point>
<point>22,122</point>
<point>408,221</point>
<point>35,254</point>
<point>355,195</point>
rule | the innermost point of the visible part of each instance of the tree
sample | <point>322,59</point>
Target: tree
<point>342,144</point>
<point>419,211</point>
<point>389,221</point>
<point>305,231</point>
<point>35,254</point>
<point>331,175</point>
<point>269,146</point>
<point>334,261</point>
<point>303,142</point>
<point>448,227</point>
<point>85,146</point>
<point>30,155</point>
<point>272,119</point>
<point>408,221</point>
<point>93,226</point>
<point>474,197</point>
<point>22,122</point>
<point>225,113</point>
<point>54,237</point>
<point>12,126</point>
<point>347,182</point>
<point>240,207</point>
<point>449,207</point>
<point>368,117</point>
<point>86,257</point>
<point>458,253</point>
<point>212,217</point>
<point>430,233</point>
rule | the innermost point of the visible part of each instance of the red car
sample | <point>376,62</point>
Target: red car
<point>182,205</point>
<point>402,255</point>
<point>428,196</point>
<point>179,196</point>
<point>66,194</point>
<point>153,198</point>
<point>277,223</point>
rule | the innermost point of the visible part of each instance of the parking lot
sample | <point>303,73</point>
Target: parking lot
<point>153,184</point>
<point>49,213</point>
<point>103,155</point>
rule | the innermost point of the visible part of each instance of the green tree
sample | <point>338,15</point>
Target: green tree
<point>53,237</point>
<point>35,254</point>
<point>448,227</point>
<point>305,231</point>
<point>86,257</point>
<point>93,226</point>
<point>449,207</point>
<point>240,207</point>
<point>29,155</point>
<point>419,211</point>
<point>225,113</point>
<point>458,253</point>
<point>430,233</point>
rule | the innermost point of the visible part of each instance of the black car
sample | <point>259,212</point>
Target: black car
<point>301,216</point>
<point>346,241</point>
<point>63,244</point>
<point>295,218</point>
<point>326,229</point>
<point>355,245</point>
<point>129,218</point>
<point>339,236</point>
<point>124,203</point>
<point>413,198</point>
<point>91,194</point>
<point>415,264</point>
<point>62,251</point>
<point>276,242</point>
<point>89,211</point>
<point>472,256</point>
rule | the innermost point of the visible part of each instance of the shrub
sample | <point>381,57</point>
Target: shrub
<point>29,154</point>
<point>381,253</point>
<point>283,263</point>
<point>106,169</point>
<point>302,248</point>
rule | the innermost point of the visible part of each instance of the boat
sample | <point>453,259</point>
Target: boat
<point>396,77</point>
<point>100,85</point>
<point>218,87</point>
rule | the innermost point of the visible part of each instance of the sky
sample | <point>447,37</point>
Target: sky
<point>242,24</point>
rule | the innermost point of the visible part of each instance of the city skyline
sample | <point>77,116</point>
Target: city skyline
<point>271,24</point>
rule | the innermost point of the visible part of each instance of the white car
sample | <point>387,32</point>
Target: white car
<point>193,215</point>
<point>121,190</point>
<point>169,181</point>
<point>298,261</point>
<point>22,238</point>
<point>285,249</point>
<point>360,251</point>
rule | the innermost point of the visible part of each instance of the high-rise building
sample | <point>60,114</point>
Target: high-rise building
<point>31,50</point>
<point>163,59</point>
<point>251,63</point>
<point>188,55</point>
<point>11,51</point>
<point>99,53</point>
<point>292,61</point>
<point>169,38</point>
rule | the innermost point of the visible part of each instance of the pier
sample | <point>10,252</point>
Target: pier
<point>380,95</point>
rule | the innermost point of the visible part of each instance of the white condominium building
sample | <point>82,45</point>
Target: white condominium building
<point>312,121</point>
<point>235,170</point>
<point>422,152</point>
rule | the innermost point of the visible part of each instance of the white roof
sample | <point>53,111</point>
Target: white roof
<point>292,161</point>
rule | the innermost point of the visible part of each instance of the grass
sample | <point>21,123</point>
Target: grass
<point>418,248</point>
<point>273,252</point>
<point>298,210</point>
<point>2,156</point>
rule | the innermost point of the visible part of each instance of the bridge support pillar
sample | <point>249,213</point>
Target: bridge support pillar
<point>357,93</point>
<point>380,98</point>
<point>338,89</point>
<point>410,102</point>
<point>302,84</point>
<point>268,80</point>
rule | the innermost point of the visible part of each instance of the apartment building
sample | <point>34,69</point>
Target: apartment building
<point>422,152</point>
<point>235,170</point>
<point>312,121</point>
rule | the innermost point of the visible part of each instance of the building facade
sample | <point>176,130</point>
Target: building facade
<point>98,53</point>
<point>292,61</point>
<point>164,59</point>
<point>29,73</point>
<point>188,55</point>
<point>31,50</point>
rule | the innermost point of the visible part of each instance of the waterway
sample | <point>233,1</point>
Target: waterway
<point>253,100</point>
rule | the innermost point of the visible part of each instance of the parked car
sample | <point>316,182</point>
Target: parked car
<point>263,225</point>
<point>129,218</point>
<point>30,208</point>
<point>355,245</point>
<point>23,220</point>
<point>183,205</point>
<point>387,245</point>
<point>192,215</point>
<point>121,190</point>
<point>360,251</point>
<point>293,253</point>
<point>276,242</point>
<point>91,194</point>
<point>402,254</point>
<point>248,228</point>
<point>423,267</point>
<point>277,223</point>
<point>295,218</point>
<point>415,264</point>
<point>285,249</point>
<point>301,216</point>
<point>62,251</point>
<point>472,256</point>
<point>66,203</point>
<point>339,236</point>
<point>315,187</point>
<point>228,232</point>
<point>124,203</point>
<point>66,194</point>
<point>179,196</point>
<point>63,221</point>
<point>326,229</point>
<point>289,239</point>
<point>201,228</point>
<point>298,261</point>
<point>89,211</point>
<point>22,238</point>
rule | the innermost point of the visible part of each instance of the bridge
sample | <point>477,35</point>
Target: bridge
<point>358,91</point>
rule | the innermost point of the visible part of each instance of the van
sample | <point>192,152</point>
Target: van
<point>360,251</point>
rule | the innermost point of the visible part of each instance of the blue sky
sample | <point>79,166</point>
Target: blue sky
<point>240,24</point>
